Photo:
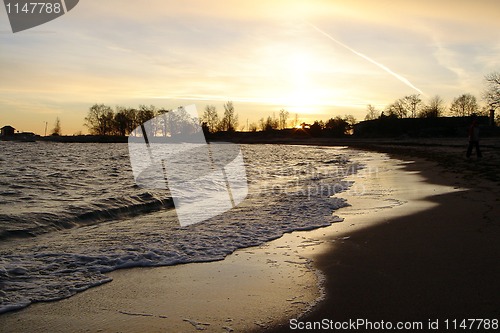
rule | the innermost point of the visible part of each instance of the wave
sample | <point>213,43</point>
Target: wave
<point>290,189</point>
<point>37,223</point>
<point>43,272</point>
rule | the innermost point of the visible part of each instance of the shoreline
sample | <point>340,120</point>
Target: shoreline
<point>252,288</point>
<point>419,266</point>
<point>322,246</point>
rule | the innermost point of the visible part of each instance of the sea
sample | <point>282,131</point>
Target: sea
<point>72,212</point>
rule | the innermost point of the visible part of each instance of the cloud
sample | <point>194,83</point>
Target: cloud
<point>254,52</point>
<point>381,66</point>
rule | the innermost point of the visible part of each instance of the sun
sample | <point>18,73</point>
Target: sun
<point>303,91</point>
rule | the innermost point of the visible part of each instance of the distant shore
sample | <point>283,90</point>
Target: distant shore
<point>85,138</point>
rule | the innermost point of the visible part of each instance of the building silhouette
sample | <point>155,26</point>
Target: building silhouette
<point>7,131</point>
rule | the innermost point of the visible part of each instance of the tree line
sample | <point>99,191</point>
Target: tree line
<point>212,123</point>
<point>122,121</point>
<point>337,126</point>
<point>412,106</point>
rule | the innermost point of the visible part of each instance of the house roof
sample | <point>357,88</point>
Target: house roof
<point>7,127</point>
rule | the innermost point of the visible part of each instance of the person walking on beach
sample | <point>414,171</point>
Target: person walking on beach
<point>474,138</point>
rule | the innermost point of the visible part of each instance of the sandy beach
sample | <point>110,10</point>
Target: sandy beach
<point>425,249</point>
<point>425,263</point>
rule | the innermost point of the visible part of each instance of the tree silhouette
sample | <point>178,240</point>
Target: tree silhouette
<point>372,113</point>
<point>492,91</point>
<point>229,122</point>
<point>435,108</point>
<point>407,106</point>
<point>412,104</point>
<point>397,109</point>
<point>316,128</point>
<point>57,127</point>
<point>99,120</point>
<point>271,123</point>
<point>252,127</point>
<point>337,126</point>
<point>464,105</point>
<point>211,118</point>
<point>121,121</point>
<point>283,118</point>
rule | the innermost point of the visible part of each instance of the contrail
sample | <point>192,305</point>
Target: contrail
<point>396,75</point>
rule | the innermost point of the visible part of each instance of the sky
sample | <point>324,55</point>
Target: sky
<point>315,58</point>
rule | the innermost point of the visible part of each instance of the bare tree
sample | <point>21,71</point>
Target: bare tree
<point>121,121</point>
<point>125,121</point>
<point>397,109</point>
<point>350,120</point>
<point>146,113</point>
<point>252,127</point>
<point>371,113</point>
<point>408,106</point>
<point>484,110</point>
<point>412,104</point>
<point>492,92</point>
<point>57,127</point>
<point>163,120</point>
<point>464,105</point>
<point>434,108</point>
<point>262,124</point>
<point>211,117</point>
<point>99,120</point>
<point>272,123</point>
<point>283,117</point>
<point>229,122</point>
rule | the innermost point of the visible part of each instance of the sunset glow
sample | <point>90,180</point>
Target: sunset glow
<point>318,59</point>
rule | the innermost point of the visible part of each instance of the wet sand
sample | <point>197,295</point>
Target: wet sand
<point>417,243</point>
<point>252,288</point>
<point>433,259</point>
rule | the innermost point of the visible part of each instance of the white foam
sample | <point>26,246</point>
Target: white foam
<point>58,265</point>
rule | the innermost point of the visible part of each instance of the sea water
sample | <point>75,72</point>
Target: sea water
<point>71,212</point>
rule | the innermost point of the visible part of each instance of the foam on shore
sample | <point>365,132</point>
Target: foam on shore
<point>252,289</point>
